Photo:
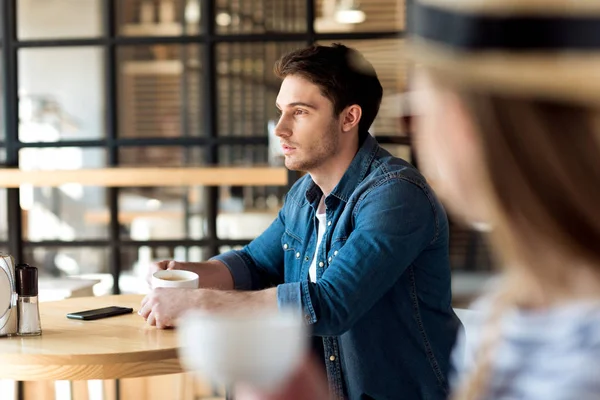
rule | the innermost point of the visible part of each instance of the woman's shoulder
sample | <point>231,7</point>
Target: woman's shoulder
<point>548,353</point>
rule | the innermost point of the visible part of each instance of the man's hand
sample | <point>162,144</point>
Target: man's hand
<point>212,274</point>
<point>163,306</point>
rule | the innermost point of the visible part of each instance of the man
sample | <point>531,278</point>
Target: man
<point>360,245</point>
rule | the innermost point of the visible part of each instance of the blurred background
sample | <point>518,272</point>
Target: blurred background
<point>96,84</point>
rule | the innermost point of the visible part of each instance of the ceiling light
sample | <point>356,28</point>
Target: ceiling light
<point>349,12</point>
<point>192,12</point>
<point>223,19</point>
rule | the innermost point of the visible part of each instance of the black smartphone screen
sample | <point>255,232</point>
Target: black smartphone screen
<point>100,313</point>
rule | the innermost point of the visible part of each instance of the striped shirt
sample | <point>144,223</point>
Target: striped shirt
<point>552,354</point>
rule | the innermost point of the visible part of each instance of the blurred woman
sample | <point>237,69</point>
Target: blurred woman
<point>508,132</point>
<point>508,96</point>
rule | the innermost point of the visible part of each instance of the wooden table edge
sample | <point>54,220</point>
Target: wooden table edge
<point>36,372</point>
<point>90,359</point>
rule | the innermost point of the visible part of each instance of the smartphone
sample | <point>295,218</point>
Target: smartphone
<point>100,313</point>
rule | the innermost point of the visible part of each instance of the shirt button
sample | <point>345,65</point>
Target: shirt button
<point>329,259</point>
<point>285,246</point>
<point>306,258</point>
<point>335,253</point>
<point>328,223</point>
<point>321,264</point>
<point>297,255</point>
<point>332,358</point>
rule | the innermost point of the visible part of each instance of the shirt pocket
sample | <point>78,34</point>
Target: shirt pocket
<point>292,249</point>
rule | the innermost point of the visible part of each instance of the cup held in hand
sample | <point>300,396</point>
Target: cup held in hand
<point>175,278</point>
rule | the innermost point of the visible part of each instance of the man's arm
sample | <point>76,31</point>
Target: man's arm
<point>163,306</point>
<point>394,222</point>
<point>257,266</point>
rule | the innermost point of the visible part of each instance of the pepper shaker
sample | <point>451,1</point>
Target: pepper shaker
<point>27,289</point>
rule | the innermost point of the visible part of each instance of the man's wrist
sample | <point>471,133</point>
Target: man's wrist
<point>215,300</point>
<point>212,274</point>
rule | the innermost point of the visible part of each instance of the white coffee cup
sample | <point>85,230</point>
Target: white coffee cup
<point>175,278</point>
<point>261,349</point>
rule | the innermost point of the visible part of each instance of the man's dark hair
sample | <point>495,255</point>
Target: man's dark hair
<point>343,74</point>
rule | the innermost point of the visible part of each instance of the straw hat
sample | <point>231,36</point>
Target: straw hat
<point>542,48</point>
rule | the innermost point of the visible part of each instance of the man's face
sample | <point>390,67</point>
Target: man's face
<point>308,129</point>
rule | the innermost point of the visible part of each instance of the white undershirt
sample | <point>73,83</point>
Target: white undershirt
<point>312,271</point>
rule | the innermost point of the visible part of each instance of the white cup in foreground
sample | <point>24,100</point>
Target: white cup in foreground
<point>174,278</point>
<point>261,349</point>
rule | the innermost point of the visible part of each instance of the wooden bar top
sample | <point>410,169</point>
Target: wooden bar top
<point>147,177</point>
<point>110,348</point>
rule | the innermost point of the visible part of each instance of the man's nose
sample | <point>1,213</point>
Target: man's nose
<point>282,128</point>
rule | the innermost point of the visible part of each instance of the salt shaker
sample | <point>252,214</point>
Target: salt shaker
<point>27,289</point>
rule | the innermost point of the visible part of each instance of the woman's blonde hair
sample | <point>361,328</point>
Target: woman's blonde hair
<point>542,169</point>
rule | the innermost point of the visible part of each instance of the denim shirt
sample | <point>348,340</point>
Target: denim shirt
<point>382,299</point>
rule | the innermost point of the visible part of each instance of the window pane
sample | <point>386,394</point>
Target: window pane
<point>158,17</point>
<point>245,212</point>
<point>59,19</point>
<point>161,213</point>
<point>68,212</point>
<point>61,158</point>
<point>224,249</point>
<point>61,94</point>
<point>161,156</point>
<point>243,155</point>
<point>260,16</point>
<point>385,55</point>
<point>246,86</point>
<point>359,16</point>
<point>89,263</point>
<point>160,89</point>
<point>65,212</point>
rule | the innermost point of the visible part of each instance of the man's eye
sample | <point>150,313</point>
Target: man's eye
<point>299,112</point>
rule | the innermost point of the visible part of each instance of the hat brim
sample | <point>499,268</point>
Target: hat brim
<point>510,49</point>
<point>572,75</point>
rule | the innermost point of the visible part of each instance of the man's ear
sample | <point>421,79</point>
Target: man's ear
<point>351,117</point>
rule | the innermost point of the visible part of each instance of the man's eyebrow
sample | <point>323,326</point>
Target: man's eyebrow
<point>298,103</point>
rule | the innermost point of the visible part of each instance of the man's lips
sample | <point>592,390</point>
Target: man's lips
<point>287,148</point>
